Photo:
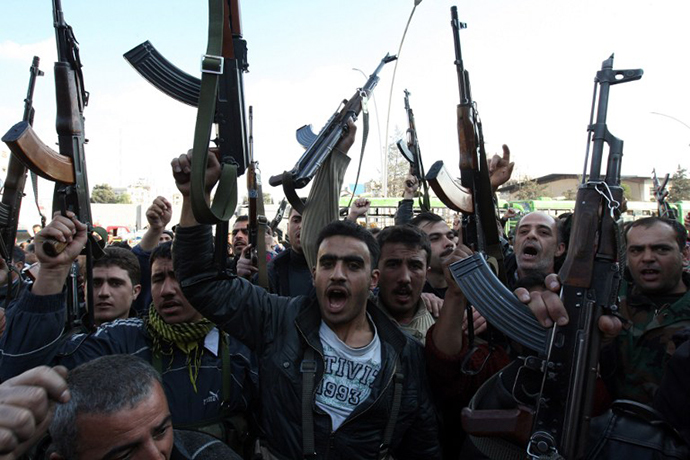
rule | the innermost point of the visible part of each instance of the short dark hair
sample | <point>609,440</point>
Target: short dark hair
<point>120,244</point>
<point>647,222</point>
<point>170,233</point>
<point>244,218</point>
<point>351,229</point>
<point>18,254</point>
<point>409,235</point>
<point>105,385</point>
<point>426,216</point>
<point>162,251</point>
<point>123,258</point>
<point>303,199</point>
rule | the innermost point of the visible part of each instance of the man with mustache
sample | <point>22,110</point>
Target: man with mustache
<point>209,378</point>
<point>537,245</point>
<point>656,301</point>
<point>288,272</point>
<point>442,241</point>
<point>403,266</point>
<point>338,378</point>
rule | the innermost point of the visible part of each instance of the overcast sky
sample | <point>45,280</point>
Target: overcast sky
<point>531,63</point>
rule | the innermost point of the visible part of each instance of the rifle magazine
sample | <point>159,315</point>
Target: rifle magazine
<point>497,304</point>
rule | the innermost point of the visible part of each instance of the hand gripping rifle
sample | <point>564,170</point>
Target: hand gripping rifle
<point>318,147</point>
<point>661,194</point>
<point>479,222</point>
<point>219,96</point>
<point>67,168</point>
<point>565,369</point>
<point>410,151</point>
<point>256,226</point>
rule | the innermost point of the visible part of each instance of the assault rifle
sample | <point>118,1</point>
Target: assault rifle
<point>219,96</point>
<point>228,116</point>
<point>563,373</point>
<point>479,229</point>
<point>67,168</point>
<point>410,151</point>
<point>256,226</point>
<point>279,215</point>
<point>661,194</point>
<point>13,188</point>
<point>318,147</point>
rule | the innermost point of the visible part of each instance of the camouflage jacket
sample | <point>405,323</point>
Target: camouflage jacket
<point>644,349</point>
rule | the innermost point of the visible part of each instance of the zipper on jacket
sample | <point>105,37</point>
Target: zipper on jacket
<point>385,388</point>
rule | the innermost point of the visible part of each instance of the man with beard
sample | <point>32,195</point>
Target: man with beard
<point>209,378</point>
<point>442,241</point>
<point>288,272</point>
<point>338,378</point>
<point>537,245</point>
<point>403,265</point>
<point>239,235</point>
<point>656,301</point>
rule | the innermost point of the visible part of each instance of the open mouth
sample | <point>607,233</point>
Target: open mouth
<point>530,252</point>
<point>402,294</point>
<point>337,297</point>
<point>649,273</point>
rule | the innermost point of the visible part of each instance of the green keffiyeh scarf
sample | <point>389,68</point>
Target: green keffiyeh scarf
<point>188,337</point>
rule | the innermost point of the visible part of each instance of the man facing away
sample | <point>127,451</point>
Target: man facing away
<point>363,379</point>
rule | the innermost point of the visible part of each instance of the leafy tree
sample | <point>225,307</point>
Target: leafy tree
<point>398,166</point>
<point>680,186</point>
<point>124,198</point>
<point>570,194</point>
<point>103,193</point>
<point>530,190</point>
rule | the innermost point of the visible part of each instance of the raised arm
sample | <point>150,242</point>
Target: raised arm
<point>246,312</point>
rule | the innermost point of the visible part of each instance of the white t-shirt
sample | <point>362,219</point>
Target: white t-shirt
<point>348,374</point>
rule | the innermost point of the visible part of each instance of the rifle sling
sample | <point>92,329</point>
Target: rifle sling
<point>291,194</point>
<point>308,368</point>
<point>223,207</point>
<point>365,135</point>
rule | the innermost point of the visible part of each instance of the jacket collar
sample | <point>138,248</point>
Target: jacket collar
<point>309,320</point>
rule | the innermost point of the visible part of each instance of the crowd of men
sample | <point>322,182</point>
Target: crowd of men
<point>359,348</point>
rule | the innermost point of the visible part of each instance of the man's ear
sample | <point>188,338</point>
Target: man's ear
<point>374,279</point>
<point>560,249</point>
<point>136,290</point>
<point>54,456</point>
<point>686,254</point>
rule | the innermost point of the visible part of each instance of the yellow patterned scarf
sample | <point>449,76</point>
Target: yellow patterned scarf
<point>188,337</point>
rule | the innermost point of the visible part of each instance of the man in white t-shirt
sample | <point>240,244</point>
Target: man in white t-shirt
<point>338,379</point>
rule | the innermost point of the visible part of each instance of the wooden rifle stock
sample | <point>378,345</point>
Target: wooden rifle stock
<point>13,188</point>
<point>37,156</point>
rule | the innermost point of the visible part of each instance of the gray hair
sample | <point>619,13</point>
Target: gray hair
<point>105,385</point>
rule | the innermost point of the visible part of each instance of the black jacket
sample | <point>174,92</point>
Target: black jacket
<point>279,329</point>
<point>289,274</point>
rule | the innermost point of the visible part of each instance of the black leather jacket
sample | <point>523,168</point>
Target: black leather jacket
<point>278,329</point>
